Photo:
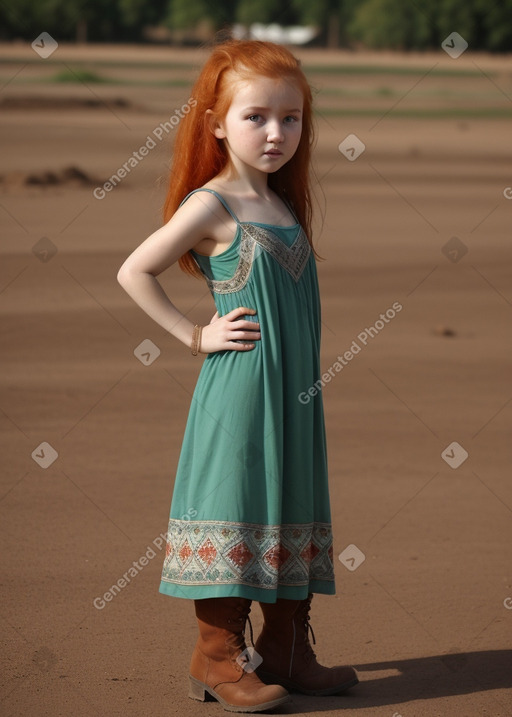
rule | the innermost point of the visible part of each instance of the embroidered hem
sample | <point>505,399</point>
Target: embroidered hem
<point>263,556</point>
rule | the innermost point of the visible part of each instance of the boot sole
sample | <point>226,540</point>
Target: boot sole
<point>268,679</point>
<point>199,691</point>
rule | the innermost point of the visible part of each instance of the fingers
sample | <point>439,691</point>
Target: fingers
<point>245,326</point>
<point>241,347</point>
<point>239,311</point>
<point>243,340</point>
<point>245,336</point>
<point>234,329</point>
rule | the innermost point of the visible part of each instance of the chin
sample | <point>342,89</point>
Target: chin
<point>269,170</point>
<point>274,167</point>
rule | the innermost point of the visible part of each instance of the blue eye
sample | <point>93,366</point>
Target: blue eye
<point>290,119</point>
<point>254,118</point>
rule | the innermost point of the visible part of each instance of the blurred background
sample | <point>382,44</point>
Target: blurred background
<point>413,186</point>
<point>395,24</point>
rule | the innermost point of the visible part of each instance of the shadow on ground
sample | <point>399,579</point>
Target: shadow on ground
<point>415,679</point>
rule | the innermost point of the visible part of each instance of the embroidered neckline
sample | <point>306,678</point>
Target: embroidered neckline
<point>254,235</point>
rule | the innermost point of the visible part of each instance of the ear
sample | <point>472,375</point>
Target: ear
<point>215,126</point>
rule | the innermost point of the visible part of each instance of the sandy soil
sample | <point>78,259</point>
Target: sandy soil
<point>426,617</point>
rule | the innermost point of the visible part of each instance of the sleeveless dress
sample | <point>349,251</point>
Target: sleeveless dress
<point>250,513</point>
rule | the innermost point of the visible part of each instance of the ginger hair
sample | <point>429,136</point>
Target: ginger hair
<point>199,156</point>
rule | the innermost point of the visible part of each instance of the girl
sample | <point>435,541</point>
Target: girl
<point>252,475</point>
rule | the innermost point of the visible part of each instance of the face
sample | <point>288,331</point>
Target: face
<point>263,125</point>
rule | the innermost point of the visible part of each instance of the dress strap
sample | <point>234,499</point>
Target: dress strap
<point>290,209</point>
<point>219,197</point>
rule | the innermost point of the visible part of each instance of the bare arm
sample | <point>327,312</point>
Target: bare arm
<point>196,219</point>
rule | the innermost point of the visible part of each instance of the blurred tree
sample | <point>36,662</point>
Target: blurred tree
<point>115,20</point>
<point>21,19</point>
<point>318,13</point>
<point>184,14</point>
<point>461,16</point>
<point>139,12</point>
<point>484,25</point>
<point>281,12</point>
<point>248,11</point>
<point>397,24</point>
<point>347,10</point>
<point>497,20</point>
<point>324,14</point>
<point>333,16</point>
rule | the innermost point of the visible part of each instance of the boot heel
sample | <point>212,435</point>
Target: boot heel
<point>196,689</point>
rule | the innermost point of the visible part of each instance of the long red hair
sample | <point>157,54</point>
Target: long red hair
<point>199,156</point>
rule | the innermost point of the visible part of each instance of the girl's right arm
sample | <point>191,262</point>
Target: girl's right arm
<point>192,222</point>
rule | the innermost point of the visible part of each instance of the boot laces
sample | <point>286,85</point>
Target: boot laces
<point>304,621</point>
<point>236,641</point>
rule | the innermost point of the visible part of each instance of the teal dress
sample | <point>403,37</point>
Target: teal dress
<point>250,514</point>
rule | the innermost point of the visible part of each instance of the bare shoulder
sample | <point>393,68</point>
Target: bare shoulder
<point>208,221</point>
<point>203,209</point>
<point>201,223</point>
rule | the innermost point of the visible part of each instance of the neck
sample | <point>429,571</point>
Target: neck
<point>247,179</point>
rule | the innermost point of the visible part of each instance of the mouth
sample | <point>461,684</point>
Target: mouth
<point>274,153</point>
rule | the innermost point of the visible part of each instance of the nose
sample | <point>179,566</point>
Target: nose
<point>274,132</point>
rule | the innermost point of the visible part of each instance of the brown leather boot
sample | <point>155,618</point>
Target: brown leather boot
<point>215,669</point>
<point>288,658</point>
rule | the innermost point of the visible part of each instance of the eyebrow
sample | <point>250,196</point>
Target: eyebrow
<point>260,109</point>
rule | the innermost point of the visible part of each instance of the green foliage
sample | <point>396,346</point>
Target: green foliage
<point>248,11</point>
<point>282,12</point>
<point>418,24</point>
<point>106,20</point>
<point>77,75</point>
<point>460,16</point>
<point>498,26</point>
<point>314,13</point>
<point>183,14</point>
<point>186,14</point>
<point>397,24</point>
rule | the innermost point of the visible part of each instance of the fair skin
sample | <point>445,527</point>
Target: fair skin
<point>261,131</point>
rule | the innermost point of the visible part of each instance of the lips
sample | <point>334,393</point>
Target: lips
<point>273,153</point>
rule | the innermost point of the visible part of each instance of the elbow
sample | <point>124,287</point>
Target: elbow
<point>123,275</point>
<point>127,275</point>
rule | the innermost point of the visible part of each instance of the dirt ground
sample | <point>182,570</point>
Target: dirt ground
<point>420,219</point>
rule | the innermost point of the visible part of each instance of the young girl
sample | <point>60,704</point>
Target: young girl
<point>250,516</point>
